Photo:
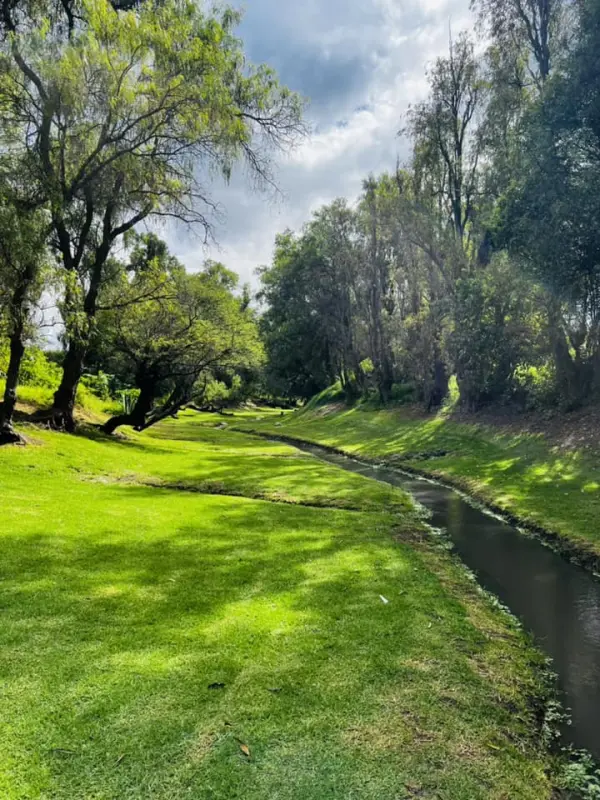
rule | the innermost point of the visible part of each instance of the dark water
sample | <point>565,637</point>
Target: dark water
<point>557,601</point>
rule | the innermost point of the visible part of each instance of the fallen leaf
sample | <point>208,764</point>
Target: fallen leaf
<point>245,750</point>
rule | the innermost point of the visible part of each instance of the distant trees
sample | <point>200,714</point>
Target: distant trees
<point>480,257</point>
<point>186,326</point>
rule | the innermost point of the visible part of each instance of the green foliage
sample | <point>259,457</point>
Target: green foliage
<point>481,257</point>
<point>582,776</point>
<point>402,393</point>
<point>128,108</point>
<point>496,322</point>
<point>294,332</point>
<point>37,370</point>
<point>168,332</point>
<point>537,386</point>
<point>99,384</point>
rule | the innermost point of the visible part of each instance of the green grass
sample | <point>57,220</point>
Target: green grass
<point>523,474</point>
<point>132,580</point>
<point>88,404</point>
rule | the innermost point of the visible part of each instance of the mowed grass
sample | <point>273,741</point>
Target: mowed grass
<point>162,642</point>
<point>522,474</point>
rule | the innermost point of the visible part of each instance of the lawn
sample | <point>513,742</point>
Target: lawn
<point>522,474</point>
<point>195,613</point>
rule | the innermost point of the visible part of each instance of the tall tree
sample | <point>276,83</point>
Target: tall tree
<point>23,258</point>
<point>549,219</point>
<point>447,139</point>
<point>533,32</point>
<point>124,118</point>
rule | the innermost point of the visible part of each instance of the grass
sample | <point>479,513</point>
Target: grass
<point>89,406</point>
<point>164,638</point>
<point>522,474</point>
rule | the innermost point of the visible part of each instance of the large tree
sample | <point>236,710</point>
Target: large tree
<point>549,219</point>
<point>122,117</point>
<point>166,343</point>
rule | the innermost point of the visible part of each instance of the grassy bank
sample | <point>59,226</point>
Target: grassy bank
<point>196,613</point>
<point>39,398</point>
<point>523,474</point>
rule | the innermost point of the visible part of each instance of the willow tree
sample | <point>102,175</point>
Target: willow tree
<point>124,117</point>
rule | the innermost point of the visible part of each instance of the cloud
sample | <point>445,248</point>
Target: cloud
<point>361,63</point>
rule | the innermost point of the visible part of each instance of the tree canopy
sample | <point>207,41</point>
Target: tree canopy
<point>119,112</point>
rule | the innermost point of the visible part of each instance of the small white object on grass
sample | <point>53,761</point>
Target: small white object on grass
<point>384,600</point>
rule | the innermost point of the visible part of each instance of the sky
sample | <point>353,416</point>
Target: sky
<point>360,64</point>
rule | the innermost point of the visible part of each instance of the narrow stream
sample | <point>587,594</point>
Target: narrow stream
<point>557,601</point>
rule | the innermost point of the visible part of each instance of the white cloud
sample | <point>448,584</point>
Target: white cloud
<point>363,63</point>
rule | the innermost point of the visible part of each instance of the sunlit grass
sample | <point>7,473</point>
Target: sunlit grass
<point>523,473</point>
<point>149,632</point>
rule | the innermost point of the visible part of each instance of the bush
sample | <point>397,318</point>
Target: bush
<point>403,393</point>
<point>99,384</point>
<point>536,387</point>
<point>36,370</point>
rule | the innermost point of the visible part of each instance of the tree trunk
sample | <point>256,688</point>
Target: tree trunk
<point>570,384</point>
<point>64,398</point>
<point>439,389</point>
<point>137,418</point>
<point>8,435</point>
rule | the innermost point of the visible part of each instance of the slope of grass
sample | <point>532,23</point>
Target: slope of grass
<point>161,642</point>
<point>523,474</point>
<point>34,398</point>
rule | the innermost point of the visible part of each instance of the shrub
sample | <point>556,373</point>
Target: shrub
<point>403,393</point>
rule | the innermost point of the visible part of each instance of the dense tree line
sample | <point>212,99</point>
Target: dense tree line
<point>112,114</point>
<point>480,257</point>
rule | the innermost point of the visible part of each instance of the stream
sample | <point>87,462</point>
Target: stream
<point>557,601</point>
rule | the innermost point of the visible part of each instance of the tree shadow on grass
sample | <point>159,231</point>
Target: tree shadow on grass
<point>111,642</point>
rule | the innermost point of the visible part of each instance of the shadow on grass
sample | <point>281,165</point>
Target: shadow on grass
<point>111,642</point>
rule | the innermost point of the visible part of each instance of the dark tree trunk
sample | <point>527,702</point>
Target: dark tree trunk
<point>439,389</point>
<point>8,435</point>
<point>171,411</point>
<point>570,378</point>
<point>137,418</point>
<point>64,398</point>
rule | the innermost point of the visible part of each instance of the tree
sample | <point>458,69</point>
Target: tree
<point>301,361</point>
<point>529,33</point>
<point>377,286</point>
<point>124,117</point>
<point>23,258</point>
<point>447,141</point>
<point>168,342</point>
<point>549,217</point>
